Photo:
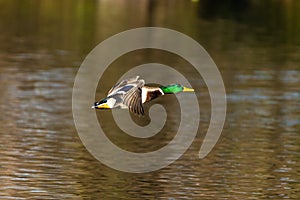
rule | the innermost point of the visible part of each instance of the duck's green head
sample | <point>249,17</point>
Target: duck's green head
<point>175,88</point>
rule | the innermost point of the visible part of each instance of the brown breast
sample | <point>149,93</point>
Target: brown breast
<point>152,93</point>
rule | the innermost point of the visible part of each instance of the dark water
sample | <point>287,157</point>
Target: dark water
<point>256,46</point>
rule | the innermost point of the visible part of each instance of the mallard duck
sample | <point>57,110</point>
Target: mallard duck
<point>133,93</point>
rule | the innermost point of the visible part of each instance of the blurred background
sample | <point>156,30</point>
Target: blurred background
<point>256,46</point>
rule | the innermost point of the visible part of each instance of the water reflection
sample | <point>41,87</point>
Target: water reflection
<point>256,49</point>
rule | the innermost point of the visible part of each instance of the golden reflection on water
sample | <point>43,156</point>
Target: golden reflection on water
<point>41,155</point>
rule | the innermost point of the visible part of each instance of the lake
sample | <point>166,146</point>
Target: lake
<point>256,47</point>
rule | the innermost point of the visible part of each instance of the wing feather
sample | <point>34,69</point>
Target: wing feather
<point>118,86</point>
<point>133,99</point>
<point>128,93</point>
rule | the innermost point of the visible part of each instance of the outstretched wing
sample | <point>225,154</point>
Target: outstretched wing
<point>133,100</point>
<point>124,85</point>
<point>130,91</point>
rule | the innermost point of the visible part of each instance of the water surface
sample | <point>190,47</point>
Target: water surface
<point>256,47</point>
